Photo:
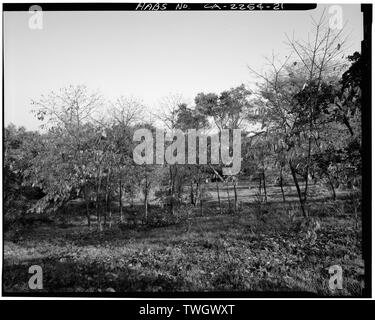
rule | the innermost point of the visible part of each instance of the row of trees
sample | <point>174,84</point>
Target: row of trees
<point>302,122</point>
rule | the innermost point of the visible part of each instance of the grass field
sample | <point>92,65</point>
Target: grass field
<point>254,250</point>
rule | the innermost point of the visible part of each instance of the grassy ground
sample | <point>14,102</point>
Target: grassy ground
<point>256,250</point>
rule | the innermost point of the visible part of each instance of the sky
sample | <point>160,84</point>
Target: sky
<point>146,55</point>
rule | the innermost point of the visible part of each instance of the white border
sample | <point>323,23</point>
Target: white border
<point>204,299</point>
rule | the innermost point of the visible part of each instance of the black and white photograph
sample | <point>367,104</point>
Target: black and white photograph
<point>186,150</point>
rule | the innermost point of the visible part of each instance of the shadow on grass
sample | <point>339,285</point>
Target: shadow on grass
<point>69,276</point>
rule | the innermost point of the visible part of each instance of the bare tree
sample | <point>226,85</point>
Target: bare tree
<point>127,111</point>
<point>168,110</point>
<point>70,112</point>
<point>291,94</point>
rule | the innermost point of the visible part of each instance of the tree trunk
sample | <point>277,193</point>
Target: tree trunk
<point>235,195</point>
<point>192,193</point>
<point>307,168</point>
<point>201,198</point>
<point>106,207</point>
<point>301,200</point>
<point>98,200</point>
<point>197,191</point>
<point>146,209</point>
<point>282,184</point>
<point>332,188</point>
<point>87,205</point>
<point>171,190</point>
<point>264,186</point>
<point>146,199</point>
<point>218,196</point>
<point>107,211</point>
<point>120,201</point>
<point>229,205</point>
